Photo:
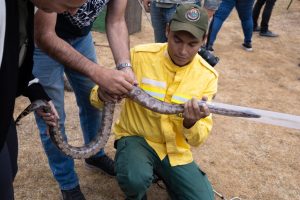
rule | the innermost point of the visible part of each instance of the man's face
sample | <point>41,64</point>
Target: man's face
<point>59,6</point>
<point>182,46</point>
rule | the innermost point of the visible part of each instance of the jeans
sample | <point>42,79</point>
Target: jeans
<point>160,17</point>
<point>244,9</point>
<point>269,4</point>
<point>50,73</point>
<point>135,168</point>
<point>211,4</point>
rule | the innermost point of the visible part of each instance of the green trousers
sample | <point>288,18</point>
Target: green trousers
<point>136,162</point>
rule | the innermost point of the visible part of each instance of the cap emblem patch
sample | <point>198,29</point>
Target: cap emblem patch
<point>193,14</point>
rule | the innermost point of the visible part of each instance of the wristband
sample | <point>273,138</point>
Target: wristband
<point>123,65</point>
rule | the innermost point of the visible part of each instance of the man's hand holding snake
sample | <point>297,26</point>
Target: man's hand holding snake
<point>193,112</point>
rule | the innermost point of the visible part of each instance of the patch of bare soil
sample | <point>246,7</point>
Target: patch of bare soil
<point>241,158</point>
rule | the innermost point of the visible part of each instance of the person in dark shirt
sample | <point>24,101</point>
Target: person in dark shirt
<point>16,62</point>
<point>65,45</point>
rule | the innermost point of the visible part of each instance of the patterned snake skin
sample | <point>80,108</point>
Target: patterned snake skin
<point>137,95</point>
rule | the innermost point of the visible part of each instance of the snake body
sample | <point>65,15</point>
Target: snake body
<point>137,95</point>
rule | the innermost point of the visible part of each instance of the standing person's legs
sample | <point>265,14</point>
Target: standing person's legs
<point>135,161</point>
<point>256,11</point>
<point>90,117</point>
<point>8,164</point>
<point>186,181</point>
<point>207,46</point>
<point>220,16</point>
<point>267,15</point>
<point>50,74</point>
<point>160,17</point>
<point>244,9</point>
<point>211,7</point>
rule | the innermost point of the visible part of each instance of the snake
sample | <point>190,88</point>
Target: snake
<point>137,95</point>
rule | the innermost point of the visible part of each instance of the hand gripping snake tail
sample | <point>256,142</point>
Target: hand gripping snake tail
<point>137,95</point>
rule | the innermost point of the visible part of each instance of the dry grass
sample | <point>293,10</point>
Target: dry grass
<point>241,158</point>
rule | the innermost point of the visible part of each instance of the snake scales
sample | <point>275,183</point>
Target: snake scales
<point>137,95</point>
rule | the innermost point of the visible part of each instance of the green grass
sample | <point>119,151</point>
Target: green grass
<point>99,24</point>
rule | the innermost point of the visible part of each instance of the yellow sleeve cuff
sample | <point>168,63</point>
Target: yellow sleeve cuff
<point>94,98</point>
<point>197,134</point>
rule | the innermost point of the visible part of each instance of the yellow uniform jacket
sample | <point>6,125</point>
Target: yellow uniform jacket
<point>158,76</point>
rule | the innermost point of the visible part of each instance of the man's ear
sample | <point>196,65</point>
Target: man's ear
<point>167,29</point>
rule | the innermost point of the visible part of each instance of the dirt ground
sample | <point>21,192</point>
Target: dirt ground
<point>241,158</point>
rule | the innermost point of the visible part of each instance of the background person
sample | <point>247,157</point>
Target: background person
<point>265,18</point>
<point>244,9</point>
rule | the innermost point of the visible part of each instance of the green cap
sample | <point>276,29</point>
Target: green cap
<point>190,18</point>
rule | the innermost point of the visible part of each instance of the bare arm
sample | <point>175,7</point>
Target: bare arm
<point>117,32</point>
<point>113,81</point>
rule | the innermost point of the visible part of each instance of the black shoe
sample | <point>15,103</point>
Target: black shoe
<point>103,163</point>
<point>256,29</point>
<point>73,194</point>
<point>247,46</point>
<point>268,34</point>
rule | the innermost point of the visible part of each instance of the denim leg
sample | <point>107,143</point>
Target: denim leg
<point>160,17</point>
<point>90,117</point>
<point>220,16</point>
<point>267,15</point>
<point>256,11</point>
<point>157,24</point>
<point>50,74</point>
<point>244,9</point>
